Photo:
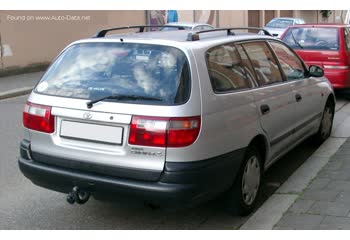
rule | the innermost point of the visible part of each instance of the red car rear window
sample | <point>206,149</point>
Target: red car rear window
<point>310,38</point>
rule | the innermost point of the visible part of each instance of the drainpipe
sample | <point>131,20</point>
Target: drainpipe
<point>217,18</point>
<point>1,52</point>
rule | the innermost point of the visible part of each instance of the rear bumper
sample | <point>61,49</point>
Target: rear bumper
<point>179,184</point>
<point>340,79</point>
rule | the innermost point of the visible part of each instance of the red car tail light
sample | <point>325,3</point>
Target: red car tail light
<point>164,132</point>
<point>38,117</point>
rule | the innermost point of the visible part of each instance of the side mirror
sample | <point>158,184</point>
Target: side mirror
<point>315,71</point>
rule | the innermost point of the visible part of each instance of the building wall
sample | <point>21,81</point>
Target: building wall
<point>234,18</point>
<point>27,38</point>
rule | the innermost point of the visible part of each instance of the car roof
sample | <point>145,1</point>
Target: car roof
<point>286,18</point>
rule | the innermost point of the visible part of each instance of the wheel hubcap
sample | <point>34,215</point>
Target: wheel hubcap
<point>327,122</point>
<point>251,180</point>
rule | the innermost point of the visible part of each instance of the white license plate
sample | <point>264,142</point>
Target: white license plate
<point>92,132</point>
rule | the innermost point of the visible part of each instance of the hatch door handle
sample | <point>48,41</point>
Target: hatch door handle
<point>298,97</point>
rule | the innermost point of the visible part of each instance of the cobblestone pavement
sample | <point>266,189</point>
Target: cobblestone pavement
<point>325,203</point>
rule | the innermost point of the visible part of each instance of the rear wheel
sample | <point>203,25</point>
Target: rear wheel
<point>246,190</point>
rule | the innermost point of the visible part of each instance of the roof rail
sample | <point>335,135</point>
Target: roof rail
<point>195,36</point>
<point>102,33</point>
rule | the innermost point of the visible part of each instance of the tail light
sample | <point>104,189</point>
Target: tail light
<point>164,132</point>
<point>38,117</point>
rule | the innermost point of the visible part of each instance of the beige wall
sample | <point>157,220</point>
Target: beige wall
<point>185,15</point>
<point>34,40</point>
<point>314,16</point>
<point>234,18</point>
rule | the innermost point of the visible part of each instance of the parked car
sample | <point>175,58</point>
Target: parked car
<point>278,25</point>
<point>325,45</point>
<point>187,26</point>
<point>175,117</point>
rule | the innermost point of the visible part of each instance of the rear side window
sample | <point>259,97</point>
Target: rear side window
<point>95,70</point>
<point>312,38</point>
<point>227,70</point>
<point>290,63</point>
<point>264,63</point>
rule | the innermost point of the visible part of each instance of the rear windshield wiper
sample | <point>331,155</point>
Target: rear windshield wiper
<point>122,97</point>
<point>296,40</point>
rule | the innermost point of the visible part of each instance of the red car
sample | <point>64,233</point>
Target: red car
<point>325,45</point>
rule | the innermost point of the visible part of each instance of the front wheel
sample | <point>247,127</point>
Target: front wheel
<point>326,124</point>
<point>246,190</point>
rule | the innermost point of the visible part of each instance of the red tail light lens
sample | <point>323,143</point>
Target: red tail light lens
<point>38,117</point>
<point>164,132</point>
<point>183,131</point>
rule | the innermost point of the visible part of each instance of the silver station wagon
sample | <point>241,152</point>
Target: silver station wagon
<point>171,117</point>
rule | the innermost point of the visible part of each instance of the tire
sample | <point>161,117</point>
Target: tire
<point>245,192</point>
<point>326,124</point>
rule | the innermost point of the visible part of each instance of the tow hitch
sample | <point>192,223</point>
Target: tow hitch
<point>77,195</point>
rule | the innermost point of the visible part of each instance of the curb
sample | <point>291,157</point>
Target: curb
<point>15,93</point>
<point>269,214</point>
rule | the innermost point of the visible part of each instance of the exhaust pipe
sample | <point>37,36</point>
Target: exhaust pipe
<point>77,195</point>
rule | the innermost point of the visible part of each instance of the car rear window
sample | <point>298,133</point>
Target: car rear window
<point>95,70</point>
<point>279,23</point>
<point>315,38</point>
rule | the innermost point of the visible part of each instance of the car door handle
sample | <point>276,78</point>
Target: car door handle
<point>264,109</point>
<point>298,97</point>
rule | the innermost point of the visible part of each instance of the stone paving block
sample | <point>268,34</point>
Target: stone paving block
<point>330,209</point>
<point>343,130</point>
<point>335,165</point>
<point>343,197</point>
<point>299,221</point>
<point>339,119</point>
<point>345,109</point>
<point>330,146</point>
<point>343,174</point>
<point>301,178</point>
<point>270,212</point>
<point>332,223</point>
<point>320,195</point>
<point>343,153</point>
<point>319,183</point>
<point>301,206</point>
<point>338,185</point>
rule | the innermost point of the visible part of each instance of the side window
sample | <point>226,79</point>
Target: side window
<point>347,38</point>
<point>227,71</point>
<point>291,65</point>
<point>264,63</point>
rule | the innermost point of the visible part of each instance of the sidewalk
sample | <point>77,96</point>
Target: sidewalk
<point>17,85</point>
<point>317,195</point>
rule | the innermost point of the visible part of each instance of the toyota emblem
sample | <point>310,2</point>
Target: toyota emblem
<point>87,115</point>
